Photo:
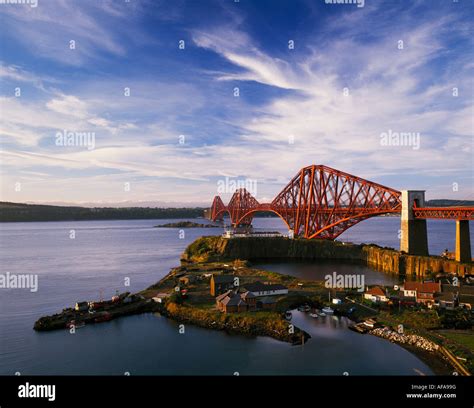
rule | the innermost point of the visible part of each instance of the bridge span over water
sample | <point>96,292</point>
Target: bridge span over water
<point>322,202</point>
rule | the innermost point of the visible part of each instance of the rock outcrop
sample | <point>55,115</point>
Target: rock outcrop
<point>388,260</point>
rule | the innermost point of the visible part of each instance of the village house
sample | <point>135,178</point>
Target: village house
<point>250,299</point>
<point>235,302</point>
<point>424,292</point>
<point>266,289</point>
<point>221,284</point>
<point>81,306</point>
<point>96,305</point>
<point>267,303</point>
<point>446,300</point>
<point>453,296</point>
<point>160,297</point>
<point>375,294</point>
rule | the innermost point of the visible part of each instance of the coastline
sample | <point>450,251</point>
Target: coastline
<point>434,361</point>
<point>201,259</point>
<point>384,259</point>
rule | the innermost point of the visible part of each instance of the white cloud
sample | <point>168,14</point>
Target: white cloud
<point>137,136</point>
<point>47,30</point>
<point>68,105</point>
<point>386,90</point>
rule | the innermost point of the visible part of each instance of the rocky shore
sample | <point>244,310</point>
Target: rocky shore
<point>409,339</point>
<point>426,350</point>
<point>70,316</point>
<point>388,260</point>
<point>274,325</point>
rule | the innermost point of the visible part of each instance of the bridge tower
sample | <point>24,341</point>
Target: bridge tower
<point>463,241</point>
<point>414,239</point>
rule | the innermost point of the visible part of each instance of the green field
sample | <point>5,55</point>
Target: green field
<point>463,338</point>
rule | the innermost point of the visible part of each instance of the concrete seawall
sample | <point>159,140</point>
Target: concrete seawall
<point>384,259</point>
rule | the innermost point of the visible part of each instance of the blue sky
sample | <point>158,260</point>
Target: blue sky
<point>327,100</point>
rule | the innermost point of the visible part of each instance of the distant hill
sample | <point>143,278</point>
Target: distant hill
<point>449,203</point>
<point>16,212</point>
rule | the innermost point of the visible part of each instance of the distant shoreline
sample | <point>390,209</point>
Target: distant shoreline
<point>12,212</point>
<point>186,224</point>
<point>19,212</point>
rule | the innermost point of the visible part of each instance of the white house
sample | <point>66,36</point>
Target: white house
<point>266,289</point>
<point>424,292</point>
<point>375,294</point>
<point>160,297</point>
<point>81,306</point>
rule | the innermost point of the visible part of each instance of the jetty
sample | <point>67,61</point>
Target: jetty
<point>92,312</point>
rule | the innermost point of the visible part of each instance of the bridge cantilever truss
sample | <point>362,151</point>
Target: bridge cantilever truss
<point>319,202</point>
<point>323,202</point>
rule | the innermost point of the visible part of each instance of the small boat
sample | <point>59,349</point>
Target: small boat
<point>288,315</point>
<point>301,309</point>
<point>322,314</point>
<point>307,308</point>
<point>328,310</point>
<point>370,323</point>
<point>359,328</point>
<point>315,315</point>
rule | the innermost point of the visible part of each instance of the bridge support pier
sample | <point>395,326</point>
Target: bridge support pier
<point>414,234</point>
<point>463,241</point>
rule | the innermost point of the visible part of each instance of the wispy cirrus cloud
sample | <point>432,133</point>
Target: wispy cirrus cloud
<point>47,31</point>
<point>350,91</point>
<point>181,127</point>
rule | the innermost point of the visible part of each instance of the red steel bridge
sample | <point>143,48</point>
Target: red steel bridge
<point>321,202</point>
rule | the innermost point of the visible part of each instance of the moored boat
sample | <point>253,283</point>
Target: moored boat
<point>328,310</point>
<point>370,323</point>
<point>359,328</point>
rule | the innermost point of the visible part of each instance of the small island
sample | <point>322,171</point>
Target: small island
<point>186,224</point>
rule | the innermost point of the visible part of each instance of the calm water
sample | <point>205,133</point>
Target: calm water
<point>106,254</point>
<point>318,271</point>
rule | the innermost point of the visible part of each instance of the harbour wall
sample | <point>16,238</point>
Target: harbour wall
<point>208,249</point>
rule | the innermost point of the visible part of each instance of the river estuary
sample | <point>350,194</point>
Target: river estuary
<point>105,255</point>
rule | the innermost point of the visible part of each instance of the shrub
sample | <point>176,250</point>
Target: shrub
<point>176,298</point>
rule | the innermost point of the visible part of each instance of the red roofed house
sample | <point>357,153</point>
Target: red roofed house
<point>375,294</point>
<point>424,292</point>
<point>235,302</point>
